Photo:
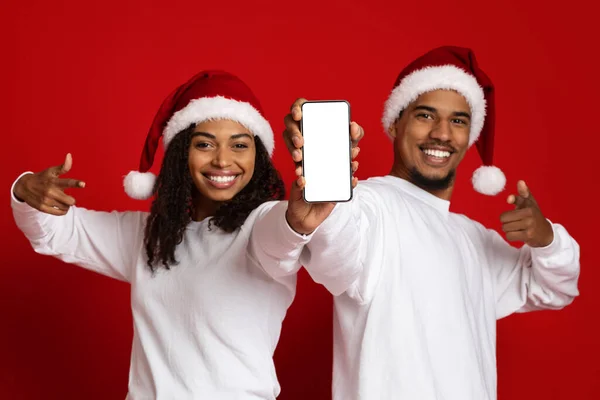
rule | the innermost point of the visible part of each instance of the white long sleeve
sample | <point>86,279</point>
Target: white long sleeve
<point>338,251</point>
<point>204,329</point>
<point>419,320</point>
<point>332,257</point>
<point>274,245</point>
<point>529,278</point>
<point>105,242</point>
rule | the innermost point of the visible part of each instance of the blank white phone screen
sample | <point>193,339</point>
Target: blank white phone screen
<point>326,152</point>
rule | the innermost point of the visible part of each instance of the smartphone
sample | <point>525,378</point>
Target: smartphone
<point>327,151</point>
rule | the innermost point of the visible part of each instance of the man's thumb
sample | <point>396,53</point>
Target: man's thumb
<point>297,187</point>
<point>522,189</point>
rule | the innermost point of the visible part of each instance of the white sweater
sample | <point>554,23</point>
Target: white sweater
<point>419,289</point>
<point>207,328</point>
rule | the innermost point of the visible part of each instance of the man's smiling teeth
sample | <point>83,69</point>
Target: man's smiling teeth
<point>222,179</point>
<point>437,153</point>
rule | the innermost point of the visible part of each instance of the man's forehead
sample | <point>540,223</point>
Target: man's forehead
<point>442,100</point>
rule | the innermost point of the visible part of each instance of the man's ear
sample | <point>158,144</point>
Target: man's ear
<point>392,129</point>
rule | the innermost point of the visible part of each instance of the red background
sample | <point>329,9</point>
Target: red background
<point>87,78</point>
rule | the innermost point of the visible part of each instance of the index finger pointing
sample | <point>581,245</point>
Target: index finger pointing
<point>518,201</point>
<point>70,183</point>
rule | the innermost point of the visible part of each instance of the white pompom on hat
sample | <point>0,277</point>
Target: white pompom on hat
<point>453,68</point>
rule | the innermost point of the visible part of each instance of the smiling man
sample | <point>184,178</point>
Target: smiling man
<point>418,289</point>
<point>432,137</point>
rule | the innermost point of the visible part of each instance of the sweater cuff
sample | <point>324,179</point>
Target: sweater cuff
<point>16,203</point>
<point>553,247</point>
<point>287,234</point>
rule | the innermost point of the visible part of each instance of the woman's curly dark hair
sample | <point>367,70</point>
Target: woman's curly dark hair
<point>173,208</point>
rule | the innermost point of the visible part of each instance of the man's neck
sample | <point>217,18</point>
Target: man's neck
<point>403,173</point>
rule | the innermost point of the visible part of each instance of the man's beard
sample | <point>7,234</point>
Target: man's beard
<point>431,184</point>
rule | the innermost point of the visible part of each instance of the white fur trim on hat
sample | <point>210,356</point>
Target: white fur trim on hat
<point>218,107</point>
<point>139,185</point>
<point>427,79</point>
<point>489,180</point>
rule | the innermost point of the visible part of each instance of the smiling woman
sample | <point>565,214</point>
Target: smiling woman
<point>219,168</point>
<point>206,316</point>
<point>221,159</point>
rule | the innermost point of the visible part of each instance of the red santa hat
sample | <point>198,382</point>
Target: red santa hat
<point>206,96</point>
<point>453,68</point>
